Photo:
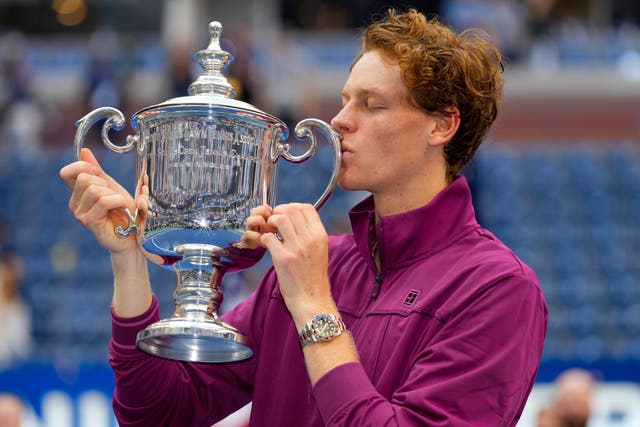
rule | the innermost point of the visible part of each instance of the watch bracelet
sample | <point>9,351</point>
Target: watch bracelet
<point>306,336</point>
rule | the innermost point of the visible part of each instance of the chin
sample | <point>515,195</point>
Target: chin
<point>350,186</point>
<point>351,179</point>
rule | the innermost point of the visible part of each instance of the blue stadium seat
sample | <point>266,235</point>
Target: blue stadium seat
<point>573,214</point>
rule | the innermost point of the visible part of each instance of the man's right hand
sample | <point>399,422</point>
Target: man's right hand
<point>98,202</point>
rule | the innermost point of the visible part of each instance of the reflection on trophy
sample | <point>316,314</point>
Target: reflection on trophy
<point>207,160</point>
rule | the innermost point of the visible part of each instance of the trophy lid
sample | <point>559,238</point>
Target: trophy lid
<point>211,89</point>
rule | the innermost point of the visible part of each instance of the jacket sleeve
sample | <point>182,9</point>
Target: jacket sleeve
<point>477,370</point>
<point>153,391</point>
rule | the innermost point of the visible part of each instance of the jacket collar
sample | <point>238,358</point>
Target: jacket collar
<point>403,237</point>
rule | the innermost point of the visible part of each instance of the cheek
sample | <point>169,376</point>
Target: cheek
<point>402,137</point>
<point>386,134</point>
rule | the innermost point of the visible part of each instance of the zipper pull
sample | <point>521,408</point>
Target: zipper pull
<point>376,286</point>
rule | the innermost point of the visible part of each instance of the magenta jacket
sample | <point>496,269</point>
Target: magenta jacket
<point>450,333</point>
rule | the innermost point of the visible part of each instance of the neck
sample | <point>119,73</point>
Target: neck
<point>405,199</point>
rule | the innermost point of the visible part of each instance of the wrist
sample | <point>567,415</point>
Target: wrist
<point>130,262</point>
<point>322,327</point>
<point>132,294</point>
<point>305,312</point>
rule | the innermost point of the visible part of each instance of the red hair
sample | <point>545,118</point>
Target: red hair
<point>442,70</point>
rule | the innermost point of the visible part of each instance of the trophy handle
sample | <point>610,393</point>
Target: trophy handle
<point>304,130</point>
<point>114,120</point>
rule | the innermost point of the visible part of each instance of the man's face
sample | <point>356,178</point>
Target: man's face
<point>385,147</point>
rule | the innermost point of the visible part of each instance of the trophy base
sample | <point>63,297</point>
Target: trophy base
<point>192,340</point>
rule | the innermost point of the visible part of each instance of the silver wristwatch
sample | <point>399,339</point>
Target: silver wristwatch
<point>321,327</point>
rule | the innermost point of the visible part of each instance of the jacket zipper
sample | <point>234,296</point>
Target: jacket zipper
<point>376,286</point>
<point>378,281</point>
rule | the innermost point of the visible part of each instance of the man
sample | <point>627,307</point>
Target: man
<point>11,410</point>
<point>572,404</point>
<point>425,318</point>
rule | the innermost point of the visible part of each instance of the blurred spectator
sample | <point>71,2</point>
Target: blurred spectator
<point>105,69</point>
<point>574,390</point>
<point>548,417</point>
<point>11,410</point>
<point>21,115</point>
<point>504,20</point>
<point>571,407</point>
<point>15,316</point>
<point>180,69</point>
<point>241,72</point>
<point>539,14</point>
<point>340,14</point>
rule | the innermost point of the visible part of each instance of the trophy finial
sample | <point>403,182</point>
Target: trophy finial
<point>215,32</point>
<point>214,61</point>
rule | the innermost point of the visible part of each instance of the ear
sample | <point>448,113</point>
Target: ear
<point>445,127</point>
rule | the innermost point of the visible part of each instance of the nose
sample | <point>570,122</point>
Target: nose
<point>342,121</point>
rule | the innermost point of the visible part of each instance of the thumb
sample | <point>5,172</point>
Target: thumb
<point>87,156</point>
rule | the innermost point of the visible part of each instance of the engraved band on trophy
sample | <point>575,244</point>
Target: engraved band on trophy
<point>207,159</point>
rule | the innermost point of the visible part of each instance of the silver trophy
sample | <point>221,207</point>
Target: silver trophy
<point>207,160</point>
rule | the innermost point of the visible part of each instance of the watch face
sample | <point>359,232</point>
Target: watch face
<point>324,326</point>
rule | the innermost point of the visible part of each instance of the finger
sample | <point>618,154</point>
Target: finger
<point>104,206</point>
<point>142,204</point>
<point>295,212</point>
<point>87,156</point>
<point>299,219</point>
<point>70,172</point>
<point>312,220</point>
<point>259,224</point>
<point>82,182</point>
<point>250,239</point>
<point>273,244</point>
<point>281,224</point>
<point>101,200</point>
<point>89,188</point>
<point>264,211</point>
<point>87,164</point>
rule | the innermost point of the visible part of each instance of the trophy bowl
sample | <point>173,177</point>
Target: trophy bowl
<point>203,162</point>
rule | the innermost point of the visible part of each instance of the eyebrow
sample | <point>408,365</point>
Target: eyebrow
<point>364,93</point>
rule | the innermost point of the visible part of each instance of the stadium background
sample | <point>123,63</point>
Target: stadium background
<point>558,179</point>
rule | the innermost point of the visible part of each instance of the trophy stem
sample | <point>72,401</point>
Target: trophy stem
<point>195,332</point>
<point>198,295</point>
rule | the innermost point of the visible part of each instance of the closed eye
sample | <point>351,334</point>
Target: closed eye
<point>373,102</point>
<point>375,106</point>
